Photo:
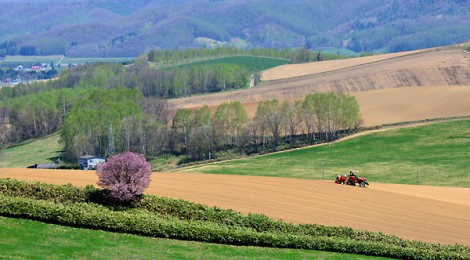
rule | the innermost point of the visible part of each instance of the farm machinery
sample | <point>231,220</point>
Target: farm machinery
<point>352,179</point>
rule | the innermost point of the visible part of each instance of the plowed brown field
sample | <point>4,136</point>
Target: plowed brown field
<point>299,70</point>
<point>433,214</point>
<point>387,106</point>
<point>442,67</point>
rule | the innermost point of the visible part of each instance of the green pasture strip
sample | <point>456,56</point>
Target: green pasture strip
<point>27,239</point>
<point>43,150</point>
<point>26,60</point>
<point>341,52</point>
<point>68,60</point>
<point>252,63</point>
<point>436,154</point>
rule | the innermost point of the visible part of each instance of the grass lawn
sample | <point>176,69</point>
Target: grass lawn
<point>68,60</point>
<point>342,52</point>
<point>27,239</point>
<point>252,63</point>
<point>28,60</point>
<point>25,60</point>
<point>435,154</point>
<point>43,150</point>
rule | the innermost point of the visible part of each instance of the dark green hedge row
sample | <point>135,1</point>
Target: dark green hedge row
<point>173,210</point>
<point>437,119</point>
<point>144,223</point>
<point>185,210</point>
<point>42,191</point>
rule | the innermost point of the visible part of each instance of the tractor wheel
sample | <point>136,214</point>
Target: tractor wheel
<point>362,184</point>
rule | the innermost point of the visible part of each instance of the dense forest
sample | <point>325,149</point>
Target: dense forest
<point>85,102</point>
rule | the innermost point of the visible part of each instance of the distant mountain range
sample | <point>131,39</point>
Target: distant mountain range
<point>109,28</point>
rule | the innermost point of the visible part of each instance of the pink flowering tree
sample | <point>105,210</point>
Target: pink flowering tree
<point>126,175</point>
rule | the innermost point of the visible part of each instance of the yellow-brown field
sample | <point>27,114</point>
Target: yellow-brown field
<point>299,70</point>
<point>433,214</point>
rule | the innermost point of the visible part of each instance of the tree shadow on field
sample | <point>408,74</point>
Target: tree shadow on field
<point>459,137</point>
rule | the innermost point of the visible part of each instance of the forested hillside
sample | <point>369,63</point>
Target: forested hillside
<point>85,102</point>
<point>108,28</point>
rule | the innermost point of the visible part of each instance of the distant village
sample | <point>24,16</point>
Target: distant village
<point>10,76</point>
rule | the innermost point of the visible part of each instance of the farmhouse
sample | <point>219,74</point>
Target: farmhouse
<point>87,162</point>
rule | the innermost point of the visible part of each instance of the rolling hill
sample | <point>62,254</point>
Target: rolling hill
<point>391,77</point>
<point>105,28</point>
<point>434,154</point>
<point>251,63</point>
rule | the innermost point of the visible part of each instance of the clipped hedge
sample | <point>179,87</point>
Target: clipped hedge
<point>173,218</point>
<point>36,190</point>
<point>145,223</point>
<point>429,120</point>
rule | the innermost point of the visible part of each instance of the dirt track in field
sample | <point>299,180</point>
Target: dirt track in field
<point>433,214</point>
<point>387,78</point>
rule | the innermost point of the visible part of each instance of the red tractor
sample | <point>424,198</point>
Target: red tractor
<point>341,179</point>
<point>352,179</point>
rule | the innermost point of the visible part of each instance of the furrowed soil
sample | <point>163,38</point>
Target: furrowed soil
<point>432,214</point>
<point>387,106</point>
<point>299,70</point>
<point>439,78</point>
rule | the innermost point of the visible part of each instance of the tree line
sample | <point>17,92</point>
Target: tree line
<point>140,125</point>
<point>84,101</point>
<point>200,134</point>
<point>169,83</point>
<point>175,57</point>
<point>143,124</point>
<point>37,109</point>
<point>179,82</point>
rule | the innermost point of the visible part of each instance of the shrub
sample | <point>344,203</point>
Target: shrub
<point>42,191</point>
<point>126,175</point>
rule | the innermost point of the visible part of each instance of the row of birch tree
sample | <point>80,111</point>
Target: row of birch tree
<point>319,117</point>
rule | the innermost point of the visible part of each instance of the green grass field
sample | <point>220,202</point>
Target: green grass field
<point>43,150</point>
<point>68,60</point>
<point>252,63</point>
<point>436,154</point>
<point>28,60</point>
<point>27,239</point>
<point>342,52</point>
